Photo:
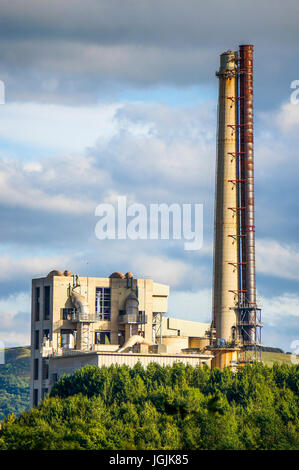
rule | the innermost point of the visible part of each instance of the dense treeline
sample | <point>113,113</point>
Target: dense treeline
<point>177,407</point>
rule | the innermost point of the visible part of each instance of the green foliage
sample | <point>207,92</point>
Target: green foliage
<point>176,407</point>
<point>14,381</point>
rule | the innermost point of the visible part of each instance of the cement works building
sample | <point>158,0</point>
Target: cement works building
<point>76,321</point>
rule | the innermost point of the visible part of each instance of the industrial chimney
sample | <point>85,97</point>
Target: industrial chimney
<point>236,317</point>
<point>226,277</point>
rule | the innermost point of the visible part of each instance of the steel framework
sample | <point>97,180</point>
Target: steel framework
<point>248,314</point>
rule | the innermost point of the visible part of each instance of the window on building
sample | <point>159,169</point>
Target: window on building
<point>46,333</point>
<point>37,303</point>
<point>103,302</point>
<point>36,339</point>
<point>54,377</point>
<point>102,337</point>
<point>121,337</point>
<point>67,313</point>
<point>46,302</point>
<point>35,397</point>
<point>44,392</point>
<point>35,372</point>
<point>45,367</point>
<point>121,312</point>
<point>234,333</point>
<point>67,338</point>
<point>141,316</point>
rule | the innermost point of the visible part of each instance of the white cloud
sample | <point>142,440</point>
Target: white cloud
<point>32,167</point>
<point>287,119</point>
<point>280,307</point>
<point>160,268</point>
<point>152,153</point>
<point>15,330</point>
<point>277,259</point>
<point>57,127</point>
<point>11,306</point>
<point>29,267</point>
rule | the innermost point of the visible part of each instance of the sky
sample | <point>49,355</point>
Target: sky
<point>110,98</point>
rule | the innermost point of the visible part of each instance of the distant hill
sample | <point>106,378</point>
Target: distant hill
<point>270,358</point>
<point>14,381</point>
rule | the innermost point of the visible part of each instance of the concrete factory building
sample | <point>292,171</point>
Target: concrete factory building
<point>77,321</point>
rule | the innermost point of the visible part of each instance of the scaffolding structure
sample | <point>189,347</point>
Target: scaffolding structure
<point>157,327</point>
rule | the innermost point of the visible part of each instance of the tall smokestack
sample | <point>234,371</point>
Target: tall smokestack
<point>247,175</point>
<point>236,317</point>
<point>226,276</point>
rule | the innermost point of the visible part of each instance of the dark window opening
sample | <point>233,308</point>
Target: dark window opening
<point>46,302</point>
<point>54,378</point>
<point>44,393</point>
<point>45,369</point>
<point>35,373</point>
<point>103,302</point>
<point>122,312</point>
<point>234,333</point>
<point>37,303</point>
<point>102,337</point>
<point>68,338</point>
<point>141,316</point>
<point>68,313</point>
<point>46,333</point>
<point>35,397</point>
<point>121,337</point>
<point>36,339</point>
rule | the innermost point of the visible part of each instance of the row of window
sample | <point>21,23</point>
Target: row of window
<point>68,313</point>
<point>101,337</point>
<point>68,338</point>
<point>102,304</point>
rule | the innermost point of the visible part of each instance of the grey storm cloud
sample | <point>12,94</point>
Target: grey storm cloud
<point>153,23</point>
<point>74,51</point>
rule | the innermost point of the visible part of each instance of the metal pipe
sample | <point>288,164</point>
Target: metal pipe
<point>247,173</point>
<point>247,228</point>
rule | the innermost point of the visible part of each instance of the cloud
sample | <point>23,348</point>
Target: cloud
<point>276,259</point>
<point>14,323</point>
<point>57,128</point>
<point>143,145</point>
<point>280,307</point>
<point>161,269</point>
<point>29,267</point>
<point>280,315</point>
<point>73,52</point>
<point>287,120</point>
